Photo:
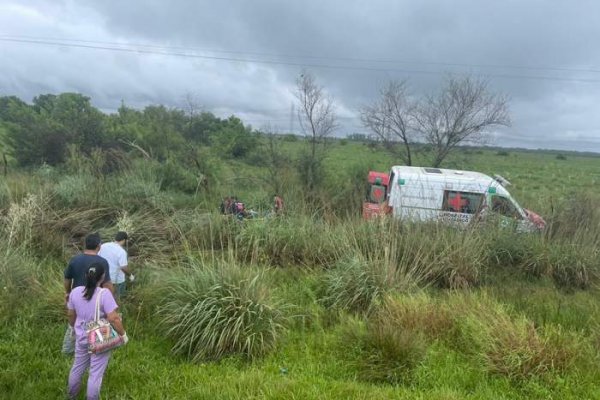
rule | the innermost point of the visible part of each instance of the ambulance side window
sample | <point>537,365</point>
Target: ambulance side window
<point>462,202</point>
<point>503,206</point>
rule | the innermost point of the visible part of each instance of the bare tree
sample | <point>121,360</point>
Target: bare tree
<point>317,119</point>
<point>316,114</point>
<point>390,118</point>
<point>192,105</point>
<point>463,112</point>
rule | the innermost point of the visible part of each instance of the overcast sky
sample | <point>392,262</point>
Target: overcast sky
<point>242,57</point>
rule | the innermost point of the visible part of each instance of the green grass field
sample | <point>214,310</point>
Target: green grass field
<point>369,311</point>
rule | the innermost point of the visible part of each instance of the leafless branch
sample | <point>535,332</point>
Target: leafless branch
<point>136,146</point>
<point>463,112</point>
<point>316,114</point>
<point>390,118</point>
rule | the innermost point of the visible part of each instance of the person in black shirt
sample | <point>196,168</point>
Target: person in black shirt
<point>78,265</point>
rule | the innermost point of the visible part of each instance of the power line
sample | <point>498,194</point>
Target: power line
<point>287,63</point>
<point>305,56</point>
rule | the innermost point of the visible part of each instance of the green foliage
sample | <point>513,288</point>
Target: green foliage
<point>202,126</point>
<point>213,312</point>
<point>173,176</point>
<point>233,139</point>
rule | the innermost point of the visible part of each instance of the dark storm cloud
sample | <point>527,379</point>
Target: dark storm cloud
<point>539,53</point>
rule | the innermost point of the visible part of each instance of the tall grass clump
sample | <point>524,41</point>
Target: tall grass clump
<point>573,266</point>
<point>19,282</point>
<point>78,190</point>
<point>568,262</point>
<point>213,311</point>
<point>438,255</point>
<point>576,220</point>
<point>511,345</point>
<point>206,231</point>
<point>356,285</point>
<point>459,258</point>
<point>377,258</point>
<point>397,336</point>
<point>298,240</point>
<point>507,248</point>
<point>5,197</point>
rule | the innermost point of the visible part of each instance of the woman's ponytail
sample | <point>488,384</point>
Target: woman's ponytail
<point>92,277</point>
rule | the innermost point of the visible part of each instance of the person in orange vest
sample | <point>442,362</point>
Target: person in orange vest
<point>278,204</point>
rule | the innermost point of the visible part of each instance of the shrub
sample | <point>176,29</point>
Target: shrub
<point>503,153</point>
<point>561,157</point>
<point>290,137</point>
<point>211,313</point>
<point>173,176</point>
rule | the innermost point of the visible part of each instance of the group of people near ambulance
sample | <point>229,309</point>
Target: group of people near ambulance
<point>98,273</point>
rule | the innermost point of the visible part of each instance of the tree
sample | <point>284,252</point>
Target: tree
<point>233,139</point>
<point>162,131</point>
<point>34,138</point>
<point>81,122</point>
<point>390,118</point>
<point>317,119</point>
<point>462,112</point>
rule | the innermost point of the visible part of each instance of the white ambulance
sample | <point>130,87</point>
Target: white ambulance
<point>426,194</point>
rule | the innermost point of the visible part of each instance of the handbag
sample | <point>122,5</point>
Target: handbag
<point>101,335</point>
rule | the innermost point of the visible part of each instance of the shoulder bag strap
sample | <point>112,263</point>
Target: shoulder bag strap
<point>97,313</point>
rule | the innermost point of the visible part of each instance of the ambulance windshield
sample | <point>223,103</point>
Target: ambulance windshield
<point>505,206</point>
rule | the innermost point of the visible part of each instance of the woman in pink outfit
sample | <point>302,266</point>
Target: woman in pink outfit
<point>81,310</point>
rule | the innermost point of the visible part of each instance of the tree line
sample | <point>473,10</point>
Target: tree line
<point>42,132</point>
<point>462,111</point>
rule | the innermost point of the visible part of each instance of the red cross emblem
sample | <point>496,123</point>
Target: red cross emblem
<point>377,194</point>
<point>457,202</point>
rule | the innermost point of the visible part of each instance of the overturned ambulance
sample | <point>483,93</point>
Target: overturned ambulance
<point>426,194</point>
